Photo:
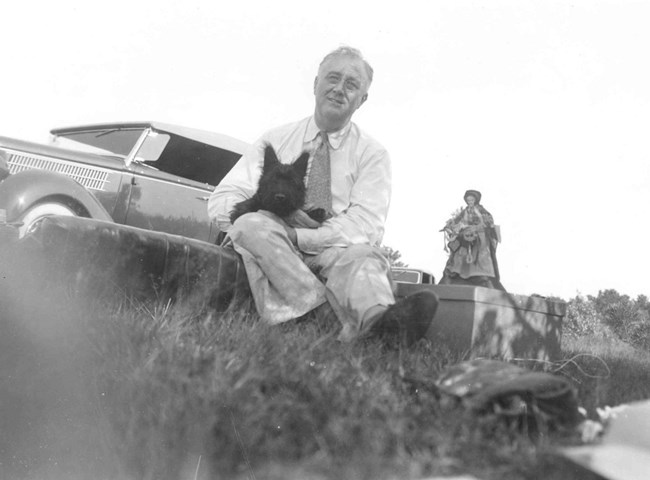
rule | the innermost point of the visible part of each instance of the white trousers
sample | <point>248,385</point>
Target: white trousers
<point>284,281</point>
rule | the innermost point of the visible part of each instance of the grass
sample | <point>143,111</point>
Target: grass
<point>607,371</point>
<point>154,391</point>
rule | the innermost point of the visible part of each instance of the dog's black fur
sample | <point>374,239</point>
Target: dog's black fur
<point>281,188</point>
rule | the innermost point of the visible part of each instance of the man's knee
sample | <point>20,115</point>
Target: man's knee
<point>254,223</point>
<point>362,251</point>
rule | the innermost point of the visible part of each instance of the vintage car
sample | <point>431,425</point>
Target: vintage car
<point>412,275</point>
<point>149,175</point>
<point>119,205</point>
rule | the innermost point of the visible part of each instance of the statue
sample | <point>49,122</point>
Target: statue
<point>471,239</point>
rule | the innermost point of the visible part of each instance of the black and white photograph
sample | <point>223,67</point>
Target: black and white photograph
<point>320,241</point>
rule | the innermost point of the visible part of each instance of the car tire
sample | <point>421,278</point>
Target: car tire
<point>40,211</point>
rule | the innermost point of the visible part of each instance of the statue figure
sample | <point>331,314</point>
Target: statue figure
<point>471,239</point>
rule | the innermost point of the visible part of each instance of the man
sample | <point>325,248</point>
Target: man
<point>285,259</point>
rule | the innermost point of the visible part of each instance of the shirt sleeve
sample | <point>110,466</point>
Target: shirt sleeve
<point>239,184</point>
<point>362,222</point>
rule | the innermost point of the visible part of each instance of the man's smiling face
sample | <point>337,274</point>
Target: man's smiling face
<point>340,88</point>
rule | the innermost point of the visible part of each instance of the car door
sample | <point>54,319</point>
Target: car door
<point>161,196</point>
<point>166,203</point>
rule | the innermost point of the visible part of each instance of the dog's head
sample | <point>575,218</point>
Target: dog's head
<point>282,186</point>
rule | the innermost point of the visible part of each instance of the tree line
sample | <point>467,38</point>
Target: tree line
<point>610,312</point>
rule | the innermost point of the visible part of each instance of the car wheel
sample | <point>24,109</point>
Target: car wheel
<point>40,211</point>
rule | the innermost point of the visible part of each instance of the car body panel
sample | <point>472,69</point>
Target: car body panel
<point>36,150</point>
<point>99,259</point>
<point>166,206</point>
<point>20,192</point>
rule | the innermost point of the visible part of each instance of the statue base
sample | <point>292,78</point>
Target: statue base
<point>485,322</point>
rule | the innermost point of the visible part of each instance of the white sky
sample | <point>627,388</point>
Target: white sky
<point>543,106</point>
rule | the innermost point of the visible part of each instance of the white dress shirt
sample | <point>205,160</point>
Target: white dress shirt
<point>361,184</point>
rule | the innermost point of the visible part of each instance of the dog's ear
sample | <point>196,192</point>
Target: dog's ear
<point>300,165</point>
<point>270,158</point>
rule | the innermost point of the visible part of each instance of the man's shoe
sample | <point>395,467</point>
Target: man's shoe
<point>410,317</point>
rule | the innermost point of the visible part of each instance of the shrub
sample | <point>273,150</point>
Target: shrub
<point>629,319</point>
<point>582,319</point>
<point>608,315</point>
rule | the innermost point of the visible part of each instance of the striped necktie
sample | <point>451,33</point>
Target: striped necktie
<point>319,184</point>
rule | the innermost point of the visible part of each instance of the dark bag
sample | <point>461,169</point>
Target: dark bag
<point>543,401</point>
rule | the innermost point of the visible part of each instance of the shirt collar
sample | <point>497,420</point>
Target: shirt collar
<point>335,139</point>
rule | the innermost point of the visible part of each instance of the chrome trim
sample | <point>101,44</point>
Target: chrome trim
<point>138,175</point>
<point>134,151</point>
<point>93,178</point>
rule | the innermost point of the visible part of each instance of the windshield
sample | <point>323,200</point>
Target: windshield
<point>152,147</point>
<point>107,141</point>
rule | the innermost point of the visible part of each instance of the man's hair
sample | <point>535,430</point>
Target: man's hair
<point>349,52</point>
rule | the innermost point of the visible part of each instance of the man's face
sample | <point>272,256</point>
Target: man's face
<point>340,88</point>
<point>470,200</point>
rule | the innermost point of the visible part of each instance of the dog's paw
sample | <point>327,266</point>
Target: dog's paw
<point>243,207</point>
<point>318,214</point>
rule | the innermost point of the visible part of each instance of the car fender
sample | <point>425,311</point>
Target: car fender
<point>22,190</point>
<point>98,258</point>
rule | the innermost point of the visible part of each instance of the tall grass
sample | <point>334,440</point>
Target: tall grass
<point>239,394</point>
<point>128,390</point>
<point>606,370</point>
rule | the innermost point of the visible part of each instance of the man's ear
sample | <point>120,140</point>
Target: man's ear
<point>315,82</point>
<point>363,99</point>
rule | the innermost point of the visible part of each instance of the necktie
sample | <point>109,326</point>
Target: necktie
<point>319,186</point>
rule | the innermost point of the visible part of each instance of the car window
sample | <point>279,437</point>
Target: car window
<point>153,146</point>
<point>81,147</point>
<point>407,276</point>
<point>190,159</point>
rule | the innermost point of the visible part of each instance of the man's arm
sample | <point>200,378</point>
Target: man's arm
<point>239,184</point>
<point>363,221</point>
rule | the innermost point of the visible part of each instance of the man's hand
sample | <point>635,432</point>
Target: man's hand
<point>300,219</point>
<point>291,232</point>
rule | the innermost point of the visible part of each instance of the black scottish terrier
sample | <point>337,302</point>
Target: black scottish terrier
<point>281,189</point>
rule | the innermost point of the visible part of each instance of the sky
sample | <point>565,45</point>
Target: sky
<point>542,106</point>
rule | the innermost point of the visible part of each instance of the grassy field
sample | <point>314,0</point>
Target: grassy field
<point>144,391</point>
